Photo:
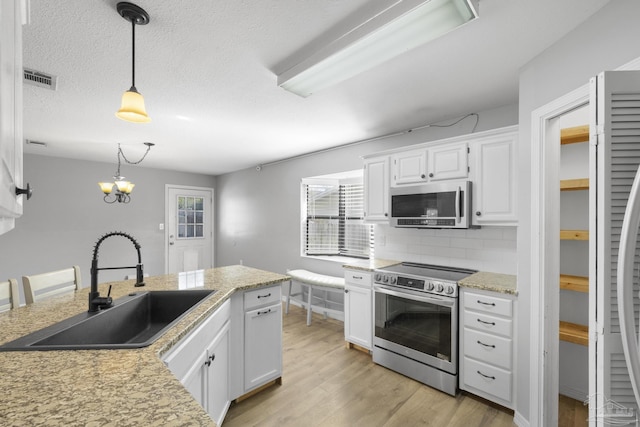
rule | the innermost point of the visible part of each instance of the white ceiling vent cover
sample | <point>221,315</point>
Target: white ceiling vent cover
<point>37,78</point>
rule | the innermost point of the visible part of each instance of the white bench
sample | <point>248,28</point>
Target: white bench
<point>315,281</point>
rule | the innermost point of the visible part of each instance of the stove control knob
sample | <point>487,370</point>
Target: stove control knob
<point>439,287</point>
<point>378,277</point>
<point>449,289</point>
<point>385,278</point>
<point>429,286</point>
<point>392,280</point>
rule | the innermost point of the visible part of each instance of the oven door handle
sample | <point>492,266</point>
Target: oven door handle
<point>422,298</point>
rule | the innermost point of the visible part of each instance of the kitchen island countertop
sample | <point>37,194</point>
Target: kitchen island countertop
<point>109,387</point>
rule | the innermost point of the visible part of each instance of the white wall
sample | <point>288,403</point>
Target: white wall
<point>259,211</point>
<point>606,41</point>
<point>66,216</point>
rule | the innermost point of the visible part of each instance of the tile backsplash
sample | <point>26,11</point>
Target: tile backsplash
<point>491,249</point>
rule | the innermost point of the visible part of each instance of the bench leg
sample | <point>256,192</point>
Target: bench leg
<point>309,305</point>
<point>286,308</point>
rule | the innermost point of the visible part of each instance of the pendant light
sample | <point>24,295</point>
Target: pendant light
<point>132,107</point>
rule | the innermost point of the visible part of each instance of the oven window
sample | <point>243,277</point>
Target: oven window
<point>418,325</point>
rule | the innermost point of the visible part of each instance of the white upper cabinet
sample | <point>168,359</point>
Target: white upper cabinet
<point>409,167</point>
<point>376,189</point>
<point>495,180</point>
<point>447,161</point>
<point>10,113</point>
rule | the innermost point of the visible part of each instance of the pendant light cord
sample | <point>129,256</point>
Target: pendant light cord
<point>133,54</point>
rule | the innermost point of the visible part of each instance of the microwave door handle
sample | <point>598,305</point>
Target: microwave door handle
<point>458,213</point>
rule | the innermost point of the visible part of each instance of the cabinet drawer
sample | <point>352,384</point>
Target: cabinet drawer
<point>262,297</point>
<point>182,357</point>
<point>489,379</point>
<point>488,304</point>
<point>359,278</point>
<point>487,347</point>
<point>486,323</point>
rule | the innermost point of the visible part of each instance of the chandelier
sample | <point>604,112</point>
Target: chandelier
<point>123,188</point>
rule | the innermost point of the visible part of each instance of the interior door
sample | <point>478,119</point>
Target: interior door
<point>189,233</point>
<point>615,114</point>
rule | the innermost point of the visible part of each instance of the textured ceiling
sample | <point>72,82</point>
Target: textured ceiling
<point>207,70</point>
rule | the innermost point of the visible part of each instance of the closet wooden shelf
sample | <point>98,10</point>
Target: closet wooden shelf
<point>574,283</point>
<point>574,184</point>
<point>574,234</point>
<point>574,135</point>
<point>572,332</point>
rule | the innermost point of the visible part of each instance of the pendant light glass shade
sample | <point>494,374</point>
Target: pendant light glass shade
<point>132,107</point>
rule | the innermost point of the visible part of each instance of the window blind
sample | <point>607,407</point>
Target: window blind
<point>335,221</point>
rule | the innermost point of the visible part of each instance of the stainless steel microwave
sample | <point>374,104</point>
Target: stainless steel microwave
<point>434,205</point>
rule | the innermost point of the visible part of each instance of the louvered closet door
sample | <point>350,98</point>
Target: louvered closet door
<point>615,114</point>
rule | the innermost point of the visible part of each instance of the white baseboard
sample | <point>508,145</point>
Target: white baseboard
<point>519,420</point>
<point>574,393</point>
<point>314,309</point>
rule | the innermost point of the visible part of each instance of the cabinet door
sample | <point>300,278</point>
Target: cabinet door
<point>262,346</point>
<point>494,192</point>
<point>376,189</point>
<point>195,380</point>
<point>217,399</point>
<point>448,162</point>
<point>357,316</point>
<point>10,113</point>
<point>409,167</point>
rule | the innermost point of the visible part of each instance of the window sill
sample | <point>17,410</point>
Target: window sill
<point>337,258</point>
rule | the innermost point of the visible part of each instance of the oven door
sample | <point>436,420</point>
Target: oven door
<point>419,326</point>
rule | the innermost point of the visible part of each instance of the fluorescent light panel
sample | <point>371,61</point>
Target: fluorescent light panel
<point>403,26</point>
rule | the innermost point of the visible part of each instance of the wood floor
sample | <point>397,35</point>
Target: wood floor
<point>572,413</point>
<point>325,384</point>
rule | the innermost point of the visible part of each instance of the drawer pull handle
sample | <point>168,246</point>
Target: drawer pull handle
<point>264,312</point>
<point>487,323</point>
<point>357,277</point>
<point>264,296</point>
<point>486,345</point>
<point>492,304</point>
<point>487,376</point>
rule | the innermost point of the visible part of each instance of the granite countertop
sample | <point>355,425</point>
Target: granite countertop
<point>495,282</point>
<point>370,264</point>
<point>108,387</point>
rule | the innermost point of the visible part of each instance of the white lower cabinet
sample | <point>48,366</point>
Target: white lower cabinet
<point>358,320</point>
<point>262,345</point>
<point>256,339</point>
<point>201,362</point>
<point>487,345</point>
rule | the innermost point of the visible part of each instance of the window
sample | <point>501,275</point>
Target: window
<point>333,218</point>
<point>190,217</point>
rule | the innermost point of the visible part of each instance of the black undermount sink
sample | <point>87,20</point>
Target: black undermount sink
<point>136,320</point>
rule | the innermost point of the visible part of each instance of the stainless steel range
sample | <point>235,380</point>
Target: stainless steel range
<point>416,322</point>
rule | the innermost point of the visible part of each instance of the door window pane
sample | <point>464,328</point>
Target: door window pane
<point>190,217</point>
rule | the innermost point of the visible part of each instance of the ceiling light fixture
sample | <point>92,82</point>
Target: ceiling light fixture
<point>122,186</point>
<point>132,107</point>
<point>404,25</point>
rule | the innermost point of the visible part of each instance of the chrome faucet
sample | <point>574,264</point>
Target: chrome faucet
<point>96,302</point>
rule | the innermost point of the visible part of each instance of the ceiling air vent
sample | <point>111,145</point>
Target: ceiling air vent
<point>36,78</point>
